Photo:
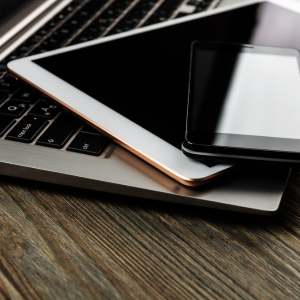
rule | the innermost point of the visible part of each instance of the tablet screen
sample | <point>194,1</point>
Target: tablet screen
<point>139,77</point>
<point>145,77</point>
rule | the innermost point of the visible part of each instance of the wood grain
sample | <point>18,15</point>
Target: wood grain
<point>65,243</point>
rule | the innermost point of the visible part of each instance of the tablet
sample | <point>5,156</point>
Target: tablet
<point>133,87</point>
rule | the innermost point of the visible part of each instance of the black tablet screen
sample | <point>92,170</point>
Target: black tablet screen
<point>145,77</point>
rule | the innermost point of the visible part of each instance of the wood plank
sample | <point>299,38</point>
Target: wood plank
<point>65,243</point>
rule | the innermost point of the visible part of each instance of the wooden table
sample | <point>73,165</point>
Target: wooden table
<point>65,243</point>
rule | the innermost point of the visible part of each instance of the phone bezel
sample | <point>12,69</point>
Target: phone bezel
<point>236,145</point>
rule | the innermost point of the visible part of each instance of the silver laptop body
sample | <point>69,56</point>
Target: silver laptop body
<point>254,190</point>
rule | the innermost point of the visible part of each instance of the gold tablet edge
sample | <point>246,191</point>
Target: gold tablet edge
<point>191,182</point>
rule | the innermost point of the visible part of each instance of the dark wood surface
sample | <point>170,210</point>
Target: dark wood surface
<point>65,243</point>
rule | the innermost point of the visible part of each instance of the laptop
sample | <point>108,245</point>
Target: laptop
<point>31,27</point>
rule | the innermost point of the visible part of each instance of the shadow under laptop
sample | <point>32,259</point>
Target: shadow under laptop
<point>68,200</point>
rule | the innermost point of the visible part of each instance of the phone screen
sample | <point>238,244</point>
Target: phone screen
<point>245,93</point>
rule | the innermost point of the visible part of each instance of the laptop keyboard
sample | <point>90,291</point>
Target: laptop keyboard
<point>28,118</point>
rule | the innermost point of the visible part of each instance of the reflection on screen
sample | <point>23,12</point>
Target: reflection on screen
<point>145,77</point>
<point>247,94</point>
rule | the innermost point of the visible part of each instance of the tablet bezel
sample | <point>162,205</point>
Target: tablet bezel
<point>149,147</point>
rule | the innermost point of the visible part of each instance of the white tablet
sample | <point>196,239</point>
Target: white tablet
<point>133,87</point>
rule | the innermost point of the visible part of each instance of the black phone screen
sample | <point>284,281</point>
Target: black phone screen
<point>244,96</point>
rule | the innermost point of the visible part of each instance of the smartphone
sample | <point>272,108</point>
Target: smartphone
<point>244,103</point>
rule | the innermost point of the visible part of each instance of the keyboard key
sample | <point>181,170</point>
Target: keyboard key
<point>52,23</point>
<point>199,9</point>
<point>34,39</point>
<point>2,67</point>
<point>171,4</point>
<point>85,14</point>
<point>104,21</point>
<point>26,95</point>
<point>14,108</point>
<point>87,129</point>
<point>81,38</point>
<point>75,23</point>
<point>59,132</point>
<point>24,48</point>
<point>12,56</point>
<point>45,109</point>
<point>193,2</point>
<point>44,30</point>
<point>27,129</point>
<point>53,42</point>
<point>39,50</point>
<point>8,84</point>
<point>95,4</point>
<point>181,15</point>
<point>3,96</point>
<point>66,32</point>
<point>148,5</point>
<point>67,10</point>
<point>5,123</point>
<point>88,144</point>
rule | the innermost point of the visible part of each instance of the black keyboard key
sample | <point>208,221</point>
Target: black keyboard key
<point>154,19</point>
<point>129,22</point>
<point>104,21</point>
<point>199,9</point>
<point>14,108</point>
<point>78,2</point>
<point>148,5</point>
<point>94,29</point>
<point>24,48</point>
<point>3,96</point>
<point>53,42</point>
<point>85,14</point>
<point>27,129</point>
<point>88,144</point>
<point>171,4</point>
<point>112,12</point>
<point>52,23</point>
<point>181,15</point>
<point>45,109</point>
<point>8,84</point>
<point>5,123</point>
<point>81,38</point>
<point>44,30</point>
<point>2,67</point>
<point>39,50</point>
<point>26,95</point>
<point>95,4</point>
<point>67,10</point>
<point>204,4</point>
<point>34,39</point>
<point>87,129</point>
<point>59,132</point>
<point>12,56</point>
<point>75,23</point>
<point>193,2</point>
<point>61,16</point>
<point>137,13</point>
<point>66,32</point>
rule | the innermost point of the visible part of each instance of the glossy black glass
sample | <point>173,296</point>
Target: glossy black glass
<point>243,97</point>
<point>145,77</point>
